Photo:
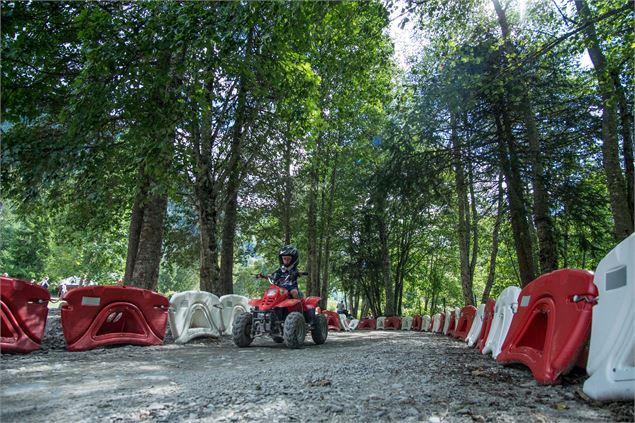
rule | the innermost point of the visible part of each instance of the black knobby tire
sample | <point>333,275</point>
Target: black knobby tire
<point>278,339</point>
<point>320,330</point>
<point>294,330</point>
<point>241,332</point>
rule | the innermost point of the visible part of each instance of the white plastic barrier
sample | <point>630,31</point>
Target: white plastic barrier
<point>193,314</point>
<point>506,307</point>
<point>448,317</point>
<point>436,323</point>
<point>425,323</point>
<point>457,316</point>
<point>347,325</point>
<point>477,325</point>
<point>232,306</point>
<point>380,323</point>
<point>406,323</point>
<point>611,363</point>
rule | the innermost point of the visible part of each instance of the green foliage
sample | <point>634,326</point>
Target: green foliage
<point>95,93</point>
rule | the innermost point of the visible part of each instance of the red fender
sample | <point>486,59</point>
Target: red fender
<point>293,304</point>
<point>311,302</point>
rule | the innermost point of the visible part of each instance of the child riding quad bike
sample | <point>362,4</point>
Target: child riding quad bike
<point>280,315</point>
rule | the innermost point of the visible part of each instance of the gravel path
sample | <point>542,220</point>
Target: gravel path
<point>359,376</point>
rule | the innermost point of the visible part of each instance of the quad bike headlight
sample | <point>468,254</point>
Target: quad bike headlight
<point>272,292</point>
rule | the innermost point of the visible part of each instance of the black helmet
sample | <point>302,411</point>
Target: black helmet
<point>289,250</point>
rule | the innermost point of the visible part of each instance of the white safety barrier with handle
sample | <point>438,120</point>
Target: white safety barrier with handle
<point>611,363</point>
<point>406,323</point>
<point>380,323</point>
<point>232,306</point>
<point>506,307</point>
<point>457,316</point>
<point>193,314</point>
<point>436,323</point>
<point>448,316</point>
<point>477,325</point>
<point>425,323</point>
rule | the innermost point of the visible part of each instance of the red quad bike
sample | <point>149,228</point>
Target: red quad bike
<point>282,317</point>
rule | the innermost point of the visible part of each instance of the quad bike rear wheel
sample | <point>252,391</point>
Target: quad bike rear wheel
<point>320,329</point>
<point>294,330</point>
<point>241,332</point>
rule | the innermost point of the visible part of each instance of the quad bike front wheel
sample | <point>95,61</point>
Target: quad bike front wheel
<point>294,330</point>
<point>241,332</point>
<point>320,329</point>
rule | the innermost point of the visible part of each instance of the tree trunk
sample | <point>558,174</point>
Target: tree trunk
<point>207,221</point>
<point>610,147</point>
<point>544,225</point>
<point>462,224</point>
<point>627,145</point>
<point>491,274</point>
<point>385,257</point>
<point>134,231</point>
<point>226,282</point>
<point>327,243</point>
<point>475,237</point>
<point>518,212</point>
<point>313,287</point>
<point>148,259</point>
<point>288,191</point>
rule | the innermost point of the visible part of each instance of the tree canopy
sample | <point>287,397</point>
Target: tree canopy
<point>179,145</point>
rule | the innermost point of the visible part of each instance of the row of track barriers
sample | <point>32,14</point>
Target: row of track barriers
<point>96,316</point>
<point>561,319</point>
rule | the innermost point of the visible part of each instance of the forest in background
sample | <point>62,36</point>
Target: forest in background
<point>179,145</point>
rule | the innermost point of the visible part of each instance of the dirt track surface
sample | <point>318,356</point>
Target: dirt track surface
<point>359,376</point>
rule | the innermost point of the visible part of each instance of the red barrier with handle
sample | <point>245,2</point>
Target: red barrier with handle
<point>332,320</point>
<point>392,323</point>
<point>23,312</point>
<point>465,322</point>
<point>95,316</point>
<point>488,316</point>
<point>367,324</point>
<point>552,324</point>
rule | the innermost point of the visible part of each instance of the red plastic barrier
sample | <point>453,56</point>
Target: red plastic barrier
<point>465,322</point>
<point>416,323</point>
<point>23,312</point>
<point>552,325</point>
<point>488,316</point>
<point>332,320</point>
<point>452,324</point>
<point>95,316</point>
<point>367,324</point>
<point>392,323</point>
